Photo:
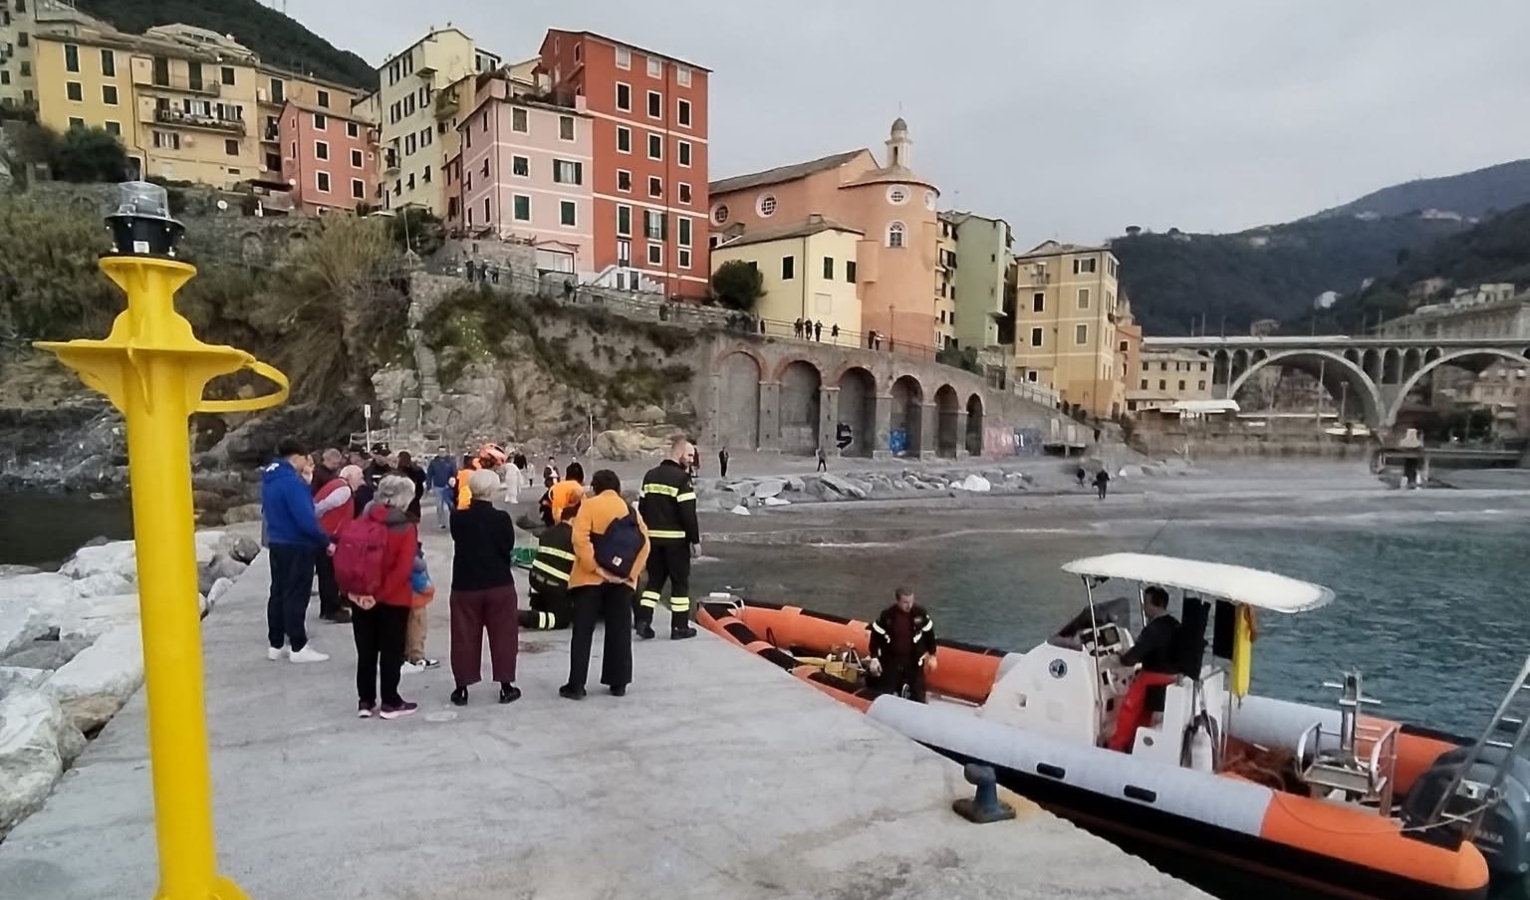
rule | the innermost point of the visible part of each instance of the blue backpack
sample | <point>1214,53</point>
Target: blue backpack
<point>619,546</point>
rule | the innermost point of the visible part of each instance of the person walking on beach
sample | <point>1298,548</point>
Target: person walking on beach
<point>722,462</point>
<point>374,564</point>
<point>335,505</point>
<point>610,551</point>
<point>483,592</point>
<point>439,475</point>
<point>294,539</point>
<point>667,501</point>
<point>1101,482</point>
<point>1081,475</point>
<point>823,463</point>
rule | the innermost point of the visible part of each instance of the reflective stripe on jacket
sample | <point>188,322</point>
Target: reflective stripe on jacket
<point>668,504</point>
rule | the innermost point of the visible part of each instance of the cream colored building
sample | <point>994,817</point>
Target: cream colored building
<point>1162,377</point>
<point>1066,313</point>
<point>809,273</point>
<point>945,281</point>
<point>423,92</point>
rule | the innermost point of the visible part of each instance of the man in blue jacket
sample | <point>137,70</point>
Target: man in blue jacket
<point>439,475</point>
<point>294,539</point>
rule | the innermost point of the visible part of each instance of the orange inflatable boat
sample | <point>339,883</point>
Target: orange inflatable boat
<point>1338,803</point>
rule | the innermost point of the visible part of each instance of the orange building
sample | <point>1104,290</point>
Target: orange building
<point>893,207</point>
<point>649,154</point>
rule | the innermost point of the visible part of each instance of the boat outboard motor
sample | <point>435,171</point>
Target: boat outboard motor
<point>1504,835</point>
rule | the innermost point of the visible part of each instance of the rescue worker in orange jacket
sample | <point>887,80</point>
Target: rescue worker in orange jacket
<point>490,456</point>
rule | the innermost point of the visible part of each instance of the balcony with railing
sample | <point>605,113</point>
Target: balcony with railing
<point>197,120</point>
<point>200,88</point>
<point>390,160</point>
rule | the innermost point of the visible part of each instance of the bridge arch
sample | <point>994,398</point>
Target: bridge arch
<point>1330,366</point>
<point>1460,359</point>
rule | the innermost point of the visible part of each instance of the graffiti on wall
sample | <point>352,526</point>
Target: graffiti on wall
<point>999,440</point>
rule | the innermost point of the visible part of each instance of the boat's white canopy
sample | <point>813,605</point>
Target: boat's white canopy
<point>1251,587</point>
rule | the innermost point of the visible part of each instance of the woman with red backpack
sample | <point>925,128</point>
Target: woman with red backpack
<point>374,565</point>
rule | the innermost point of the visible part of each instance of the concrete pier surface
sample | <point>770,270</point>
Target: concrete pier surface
<point>718,775</point>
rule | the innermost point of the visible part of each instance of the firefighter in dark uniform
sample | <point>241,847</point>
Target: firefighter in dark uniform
<point>667,503</point>
<point>903,646</point>
<point>550,607</point>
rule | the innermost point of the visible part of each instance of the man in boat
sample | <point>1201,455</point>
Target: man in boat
<point>550,606</point>
<point>667,503</point>
<point>903,646</point>
<point>1155,652</point>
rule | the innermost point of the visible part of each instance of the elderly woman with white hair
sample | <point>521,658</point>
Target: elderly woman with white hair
<point>483,591</point>
<point>380,615</point>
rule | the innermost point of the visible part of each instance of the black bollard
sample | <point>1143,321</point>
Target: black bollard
<point>985,807</point>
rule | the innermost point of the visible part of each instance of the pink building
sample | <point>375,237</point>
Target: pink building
<point>894,208</point>
<point>329,158</point>
<point>525,173</point>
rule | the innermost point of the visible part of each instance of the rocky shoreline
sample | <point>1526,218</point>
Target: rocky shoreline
<point>71,655</point>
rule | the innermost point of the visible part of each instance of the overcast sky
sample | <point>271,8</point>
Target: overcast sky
<point>1071,120</point>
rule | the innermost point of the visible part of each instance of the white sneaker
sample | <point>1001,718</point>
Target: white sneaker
<point>307,655</point>
<point>275,653</point>
<point>409,668</point>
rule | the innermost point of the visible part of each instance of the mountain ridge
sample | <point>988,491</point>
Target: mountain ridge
<point>1480,192</point>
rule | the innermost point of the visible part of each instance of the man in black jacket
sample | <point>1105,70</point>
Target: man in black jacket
<point>550,606</point>
<point>903,646</point>
<point>667,502</point>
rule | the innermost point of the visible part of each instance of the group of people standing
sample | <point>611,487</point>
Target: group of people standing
<point>813,331</point>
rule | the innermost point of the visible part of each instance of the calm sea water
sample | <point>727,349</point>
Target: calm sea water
<point>38,529</point>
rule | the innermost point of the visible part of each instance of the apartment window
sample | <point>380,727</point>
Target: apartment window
<point>565,128</point>
<point>5,77</point>
<point>828,267</point>
<point>788,268</point>
<point>322,181</point>
<point>409,105</point>
<point>324,99</point>
<point>850,271</point>
<point>1110,266</point>
<point>1203,367</point>
<point>356,159</point>
<point>487,211</point>
<point>566,171</point>
<point>683,257</point>
<point>75,92</point>
<point>654,225</point>
<point>352,130</point>
<point>231,147</point>
<point>1038,302</point>
<point>655,146</point>
<point>520,166</point>
<point>684,227</point>
<point>1201,386</point>
<point>26,72</point>
<point>1163,385</point>
<point>72,59</point>
<point>623,58</point>
<point>293,153</point>
<point>278,91</point>
<point>895,234</point>
<point>426,139</point>
<point>22,38</point>
<point>485,169</point>
<point>1081,334</point>
<point>624,221</point>
<point>624,181</point>
<point>109,94</point>
<point>467,182</point>
<point>1144,384</point>
<point>683,113</point>
<point>1181,384</point>
<point>683,76</point>
<point>568,213</point>
<point>1163,367</point>
<point>624,140</point>
<point>655,186</point>
<point>685,193</point>
<point>108,63</point>
<point>114,128</point>
<point>320,150</point>
<point>624,97</point>
<point>519,122</point>
<point>1037,335</point>
<point>1083,298</point>
<point>76,123</point>
<point>410,182</point>
<point>521,208</point>
<point>194,75</point>
<point>1084,266</point>
<point>685,153</point>
<point>655,67</point>
<point>656,254</point>
<point>655,105</point>
<point>426,176</point>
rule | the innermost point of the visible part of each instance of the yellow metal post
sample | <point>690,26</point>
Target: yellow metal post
<point>153,369</point>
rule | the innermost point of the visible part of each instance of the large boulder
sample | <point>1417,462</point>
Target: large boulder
<point>240,547</point>
<point>20,624</point>
<point>89,618</point>
<point>94,685</point>
<point>626,444</point>
<point>116,557</point>
<point>104,584</point>
<point>46,654</point>
<point>770,487</point>
<point>14,678</point>
<point>975,483</point>
<point>647,414</point>
<point>9,570</point>
<point>842,486</point>
<point>247,512</point>
<point>37,742</point>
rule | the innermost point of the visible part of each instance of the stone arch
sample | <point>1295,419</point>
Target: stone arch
<point>1370,363</point>
<point>1391,366</point>
<point>1457,358</point>
<point>906,416</point>
<point>858,409</point>
<point>948,418</point>
<point>1333,369</point>
<point>738,400</point>
<point>800,383</point>
<point>783,365</point>
<point>743,349</point>
<point>975,425</point>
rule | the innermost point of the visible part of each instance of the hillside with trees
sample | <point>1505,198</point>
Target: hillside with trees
<point>1473,195</point>
<point>278,39</point>
<point>1175,279</point>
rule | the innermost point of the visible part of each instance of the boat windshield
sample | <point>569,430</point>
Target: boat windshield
<point>1116,612</point>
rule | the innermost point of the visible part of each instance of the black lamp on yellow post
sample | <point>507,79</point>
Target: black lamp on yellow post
<point>153,369</point>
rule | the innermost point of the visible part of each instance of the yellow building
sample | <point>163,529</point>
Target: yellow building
<point>422,92</point>
<point>1162,377</point>
<point>945,281</point>
<point>809,273</point>
<point>21,21</point>
<point>188,104</point>
<point>1067,310</point>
